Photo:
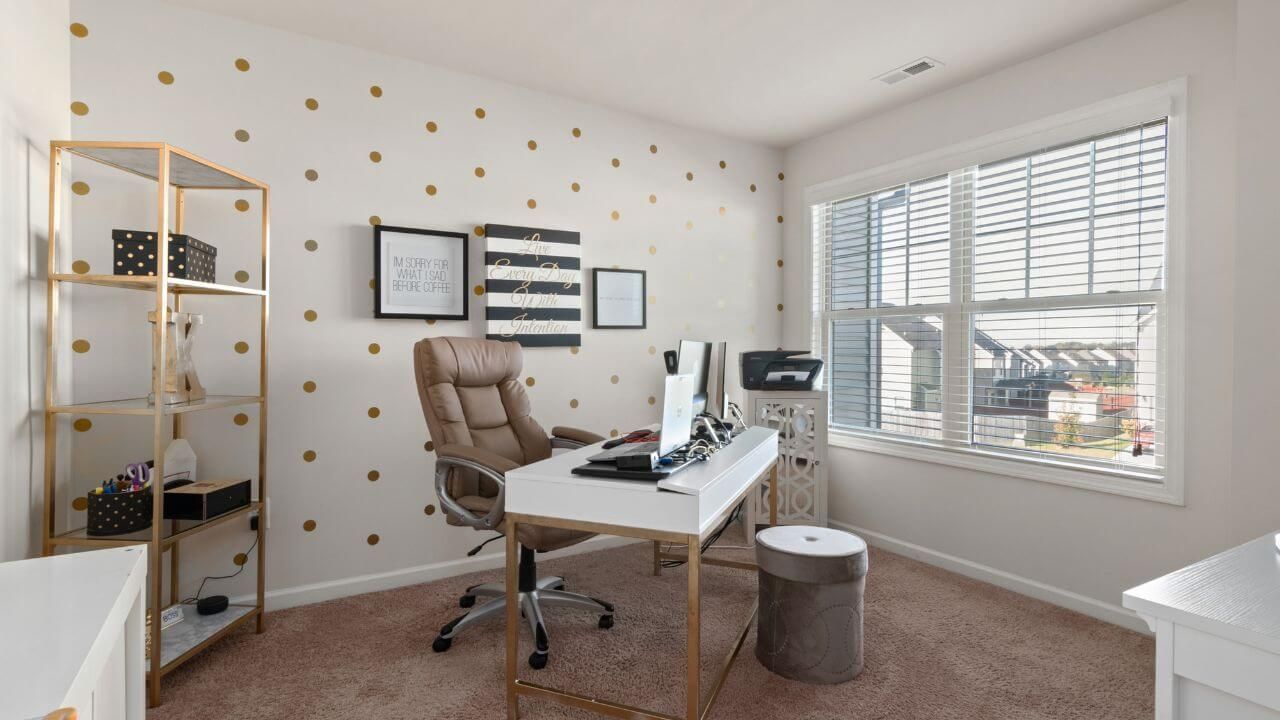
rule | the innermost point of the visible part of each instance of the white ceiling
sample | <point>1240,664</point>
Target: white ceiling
<point>770,71</point>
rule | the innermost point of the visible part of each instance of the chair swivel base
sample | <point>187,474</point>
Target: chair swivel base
<point>534,595</point>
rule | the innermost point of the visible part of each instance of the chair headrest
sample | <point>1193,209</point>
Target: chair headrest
<point>470,362</point>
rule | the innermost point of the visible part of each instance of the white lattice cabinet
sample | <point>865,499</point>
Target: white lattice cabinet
<point>800,417</point>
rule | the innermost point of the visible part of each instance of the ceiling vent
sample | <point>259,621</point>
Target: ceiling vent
<point>908,71</point>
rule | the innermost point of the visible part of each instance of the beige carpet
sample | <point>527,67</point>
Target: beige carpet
<point>937,646</point>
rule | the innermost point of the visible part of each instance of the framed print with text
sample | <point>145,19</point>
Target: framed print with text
<point>619,299</point>
<point>419,273</point>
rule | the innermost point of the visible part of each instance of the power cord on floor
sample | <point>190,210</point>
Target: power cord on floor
<point>248,552</point>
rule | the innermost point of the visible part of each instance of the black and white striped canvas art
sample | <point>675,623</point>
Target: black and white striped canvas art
<point>533,286</point>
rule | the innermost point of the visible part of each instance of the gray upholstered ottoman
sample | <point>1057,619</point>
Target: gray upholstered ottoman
<point>811,584</point>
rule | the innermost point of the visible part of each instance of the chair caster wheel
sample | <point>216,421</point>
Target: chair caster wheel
<point>537,661</point>
<point>441,644</point>
<point>467,601</point>
<point>606,622</point>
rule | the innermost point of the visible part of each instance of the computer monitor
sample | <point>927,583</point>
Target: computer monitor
<point>695,359</point>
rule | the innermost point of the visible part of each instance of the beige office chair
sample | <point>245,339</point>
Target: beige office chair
<point>478,416</point>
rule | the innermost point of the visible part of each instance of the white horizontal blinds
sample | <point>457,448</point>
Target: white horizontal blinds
<point>889,248</point>
<point>885,374</point>
<point>1082,218</point>
<point>1078,384</point>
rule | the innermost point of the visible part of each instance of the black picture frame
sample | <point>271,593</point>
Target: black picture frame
<point>461,283</point>
<point>595,299</point>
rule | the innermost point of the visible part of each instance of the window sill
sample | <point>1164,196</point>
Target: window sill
<point>1168,490</point>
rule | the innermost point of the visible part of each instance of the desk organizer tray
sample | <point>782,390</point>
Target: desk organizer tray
<point>189,258</point>
<point>118,513</point>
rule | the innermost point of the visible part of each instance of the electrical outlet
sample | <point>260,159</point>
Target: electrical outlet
<point>253,521</point>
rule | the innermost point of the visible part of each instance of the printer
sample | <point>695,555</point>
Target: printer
<point>779,370</point>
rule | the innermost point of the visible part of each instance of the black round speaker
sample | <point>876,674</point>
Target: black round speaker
<point>211,605</point>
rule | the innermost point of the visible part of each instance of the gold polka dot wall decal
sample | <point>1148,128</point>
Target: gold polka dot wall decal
<point>309,316</point>
<point>577,132</point>
<point>533,145</point>
<point>653,149</point>
<point>79,108</point>
<point>373,284</point>
<point>478,230</point>
<point>653,199</point>
<point>781,176</point>
<point>309,456</point>
<point>529,381</point>
<point>375,91</point>
<point>374,348</point>
<point>779,307</point>
<point>80,267</point>
<point>79,30</point>
<point>573,403</point>
<point>430,509</point>
<point>312,104</point>
<point>311,245</point>
<point>374,412</point>
<point>613,379</point>
<point>723,165</point>
<point>531,203</point>
<point>688,224</point>
<point>613,432</point>
<point>478,290</point>
<point>80,188</point>
<point>242,65</point>
<point>779,262</point>
<point>752,187</point>
<point>429,446</point>
<point>431,126</point>
<point>82,424</point>
<point>479,171</point>
<point>652,400</point>
<point>165,77</point>
<point>373,539</point>
<point>309,386</point>
<point>615,215</point>
<point>653,250</point>
<point>375,220</point>
<point>309,525</point>
<point>722,210</point>
<point>653,350</point>
<point>431,189</point>
<point>81,346</point>
<point>779,218</point>
<point>575,187</point>
<point>574,350</point>
<point>240,419</point>
<point>311,175</point>
<point>240,559</point>
<point>242,347</point>
<point>480,113</point>
<point>374,475</point>
<point>242,276</point>
<point>688,176</point>
<point>653,299</point>
<point>615,162</point>
<point>431,321</point>
<point>80,503</point>
<point>242,205</point>
<point>375,156</point>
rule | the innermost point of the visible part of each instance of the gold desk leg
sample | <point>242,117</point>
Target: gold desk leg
<point>513,619</point>
<point>694,627</point>
<point>657,558</point>
<point>773,495</point>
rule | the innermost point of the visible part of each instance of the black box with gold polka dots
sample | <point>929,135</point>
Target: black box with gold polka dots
<point>189,259</point>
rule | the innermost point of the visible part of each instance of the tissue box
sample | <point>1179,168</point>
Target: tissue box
<point>189,258</point>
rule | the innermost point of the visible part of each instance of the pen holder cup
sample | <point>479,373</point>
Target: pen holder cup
<point>119,513</point>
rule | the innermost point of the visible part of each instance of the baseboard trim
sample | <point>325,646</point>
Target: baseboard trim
<point>282,598</point>
<point>1083,604</point>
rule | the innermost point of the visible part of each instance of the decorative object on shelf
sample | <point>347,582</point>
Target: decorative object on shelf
<point>189,259</point>
<point>533,286</point>
<point>181,384</point>
<point>170,616</point>
<point>206,499</point>
<point>179,461</point>
<point>419,273</point>
<point>800,417</point>
<point>121,504</point>
<point>619,299</point>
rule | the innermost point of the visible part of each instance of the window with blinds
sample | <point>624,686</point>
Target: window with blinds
<point>1012,307</point>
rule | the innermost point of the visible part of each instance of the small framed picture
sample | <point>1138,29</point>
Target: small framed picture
<point>419,273</point>
<point>619,299</point>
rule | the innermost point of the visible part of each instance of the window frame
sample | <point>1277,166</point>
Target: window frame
<point>954,448</point>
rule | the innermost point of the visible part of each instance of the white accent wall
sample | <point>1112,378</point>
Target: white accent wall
<point>1080,544</point>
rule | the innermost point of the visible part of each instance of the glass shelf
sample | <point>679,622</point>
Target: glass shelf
<point>140,406</point>
<point>148,284</point>
<point>174,532</point>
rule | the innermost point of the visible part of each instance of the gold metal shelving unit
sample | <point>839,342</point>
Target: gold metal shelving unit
<point>169,167</point>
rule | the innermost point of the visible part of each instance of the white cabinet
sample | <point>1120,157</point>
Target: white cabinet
<point>72,635</point>
<point>800,417</point>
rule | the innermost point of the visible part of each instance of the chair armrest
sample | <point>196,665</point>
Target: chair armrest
<point>489,464</point>
<point>573,437</point>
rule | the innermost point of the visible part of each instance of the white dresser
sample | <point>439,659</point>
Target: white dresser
<point>1217,626</point>
<point>72,635</point>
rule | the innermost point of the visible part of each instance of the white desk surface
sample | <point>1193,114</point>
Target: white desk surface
<point>53,611</point>
<point>1235,594</point>
<point>689,502</point>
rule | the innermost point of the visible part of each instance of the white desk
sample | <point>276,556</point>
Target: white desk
<point>1217,626</point>
<point>683,509</point>
<point>72,635</point>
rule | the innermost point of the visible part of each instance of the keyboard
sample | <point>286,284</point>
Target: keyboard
<point>608,470</point>
<point>613,453</point>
